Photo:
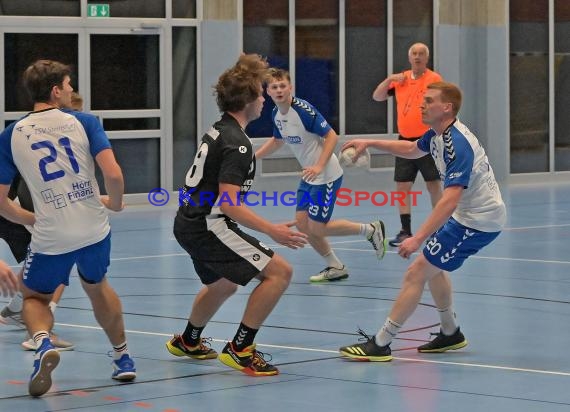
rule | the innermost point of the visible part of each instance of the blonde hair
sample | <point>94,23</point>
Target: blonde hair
<point>76,102</point>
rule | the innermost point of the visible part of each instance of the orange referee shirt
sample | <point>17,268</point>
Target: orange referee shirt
<point>409,97</point>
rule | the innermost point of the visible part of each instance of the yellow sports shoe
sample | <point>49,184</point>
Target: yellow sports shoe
<point>249,361</point>
<point>178,347</point>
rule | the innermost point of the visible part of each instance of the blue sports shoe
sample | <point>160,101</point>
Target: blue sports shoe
<point>124,369</point>
<point>45,361</point>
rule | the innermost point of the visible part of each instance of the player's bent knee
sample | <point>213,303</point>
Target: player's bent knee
<point>279,269</point>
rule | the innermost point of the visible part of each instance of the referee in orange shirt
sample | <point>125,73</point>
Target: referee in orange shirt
<point>409,88</point>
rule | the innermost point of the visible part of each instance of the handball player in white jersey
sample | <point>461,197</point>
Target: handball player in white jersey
<point>55,151</point>
<point>299,124</point>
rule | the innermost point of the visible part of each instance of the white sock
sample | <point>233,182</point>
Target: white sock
<point>52,306</point>
<point>448,322</point>
<point>16,303</point>
<point>40,336</point>
<point>366,230</point>
<point>120,350</point>
<point>387,332</point>
<point>332,260</point>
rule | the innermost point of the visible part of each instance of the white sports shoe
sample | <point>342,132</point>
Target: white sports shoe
<point>378,238</point>
<point>8,317</point>
<point>330,274</point>
<point>58,343</point>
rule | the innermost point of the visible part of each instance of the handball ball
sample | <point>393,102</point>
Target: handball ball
<point>345,158</point>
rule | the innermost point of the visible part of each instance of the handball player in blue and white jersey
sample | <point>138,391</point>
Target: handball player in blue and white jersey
<point>55,152</point>
<point>469,216</point>
<point>312,140</point>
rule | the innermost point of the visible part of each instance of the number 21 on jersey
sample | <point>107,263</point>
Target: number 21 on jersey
<point>52,157</point>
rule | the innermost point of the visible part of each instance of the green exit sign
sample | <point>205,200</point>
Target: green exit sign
<point>98,10</point>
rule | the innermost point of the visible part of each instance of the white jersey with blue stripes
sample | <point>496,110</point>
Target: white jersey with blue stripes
<point>54,151</point>
<point>303,128</point>
<point>461,160</point>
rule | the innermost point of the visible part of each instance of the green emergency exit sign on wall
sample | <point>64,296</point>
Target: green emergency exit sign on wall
<point>98,10</point>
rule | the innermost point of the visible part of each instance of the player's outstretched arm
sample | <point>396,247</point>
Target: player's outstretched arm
<point>270,146</point>
<point>238,211</point>
<point>400,148</point>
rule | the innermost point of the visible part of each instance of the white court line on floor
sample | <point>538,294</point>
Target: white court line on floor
<point>367,250</point>
<point>300,348</point>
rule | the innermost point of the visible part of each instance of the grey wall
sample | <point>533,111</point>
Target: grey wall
<point>475,58</point>
<point>220,50</point>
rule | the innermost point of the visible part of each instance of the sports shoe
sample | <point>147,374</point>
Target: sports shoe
<point>45,362</point>
<point>330,274</point>
<point>8,317</point>
<point>368,350</point>
<point>378,238</point>
<point>124,369</point>
<point>58,343</point>
<point>443,343</point>
<point>178,347</point>
<point>400,237</point>
<point>249,361</point>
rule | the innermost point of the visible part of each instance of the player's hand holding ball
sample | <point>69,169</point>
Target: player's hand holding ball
<point>347,156</point>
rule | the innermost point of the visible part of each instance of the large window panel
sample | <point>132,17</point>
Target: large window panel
<point>529,108</point>
<point>316,45</point>
<point>21,50</point>
<point>184,9</point>
<point>140,161</point>
<point>266,32</point>
<point>125,76</point>
<point>183,101</point>
<point>366,62</point>
<point>40,8</point>
<point>413,23</point>
<point>562,84</point>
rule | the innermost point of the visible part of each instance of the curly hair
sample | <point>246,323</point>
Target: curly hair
<point>40,77</point>
<point>241,84</point>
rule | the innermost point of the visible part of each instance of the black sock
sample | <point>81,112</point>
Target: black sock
<point>406,220</point>
<point>244,337</point>
<point>192,334</point>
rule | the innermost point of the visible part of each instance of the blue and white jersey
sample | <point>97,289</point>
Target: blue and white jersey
<point>461,160</point>
<point>303,128</point>
<point>54,151</point>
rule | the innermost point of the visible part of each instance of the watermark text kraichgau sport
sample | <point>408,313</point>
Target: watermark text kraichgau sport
<point>344,197</point>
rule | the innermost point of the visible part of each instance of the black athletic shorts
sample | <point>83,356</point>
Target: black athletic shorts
<point>17,237</point>
<point>220,249</point>
<point>406,170</point>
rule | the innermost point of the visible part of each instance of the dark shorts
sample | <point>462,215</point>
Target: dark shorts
<point>220,249</point>
<point>406,170</point>
<point>17,237</point>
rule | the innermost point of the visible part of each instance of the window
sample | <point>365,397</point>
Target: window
<point>366,64</point>
<point>529,108</point>
<point>266,32</point>
<point>133,8</point>
<point>40,8</point>
<point>21,50</point>
<point>562,84</point>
